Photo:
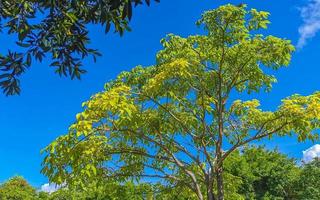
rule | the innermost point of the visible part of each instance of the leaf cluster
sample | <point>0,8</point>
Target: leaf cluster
<point>56,29</point>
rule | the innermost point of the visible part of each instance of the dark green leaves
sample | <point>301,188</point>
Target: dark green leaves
<point>12,67</point>
<point>57,30</point>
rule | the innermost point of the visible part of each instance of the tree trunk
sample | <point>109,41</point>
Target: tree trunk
<point>210,193</point>
<point>220,109</point>
<point>219,173</point>
<point>219,164</point>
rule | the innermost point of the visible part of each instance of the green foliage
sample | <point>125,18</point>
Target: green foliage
<point>105,191</point>
<point>59,31</point>
<point>308,186</point>
<point>174,121</point>
<point>17,188</point>
<point>265,174</point>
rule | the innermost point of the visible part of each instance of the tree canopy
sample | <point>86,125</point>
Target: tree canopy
<point>57,29</point>
<point>175,122</point>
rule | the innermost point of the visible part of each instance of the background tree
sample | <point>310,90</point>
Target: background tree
<point>57,29</point>
<point>264,174</point>
<point>175,122</point>
<point>308,185</point>
<point>17,188</point>
<point>105,191</point>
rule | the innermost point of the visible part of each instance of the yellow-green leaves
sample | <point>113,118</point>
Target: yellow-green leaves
<point>177,70</point>
<point>114,102</point>
<point>297,114</point>
<point>259,19</point>
<point>226,24</point>
<point>302,113</point>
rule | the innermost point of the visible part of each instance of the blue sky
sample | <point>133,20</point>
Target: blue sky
<point>48,104</point>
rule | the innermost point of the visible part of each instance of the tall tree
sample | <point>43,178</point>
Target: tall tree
<point>174,121</point>
<point>59,31</point>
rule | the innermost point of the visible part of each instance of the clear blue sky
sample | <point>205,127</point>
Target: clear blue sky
<point>48,104</point>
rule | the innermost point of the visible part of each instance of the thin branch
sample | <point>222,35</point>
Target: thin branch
<point>255,137</point>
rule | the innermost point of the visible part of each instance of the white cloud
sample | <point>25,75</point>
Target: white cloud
<point>49,187</point>
<point>311,153</point>
<point>310,15</point>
